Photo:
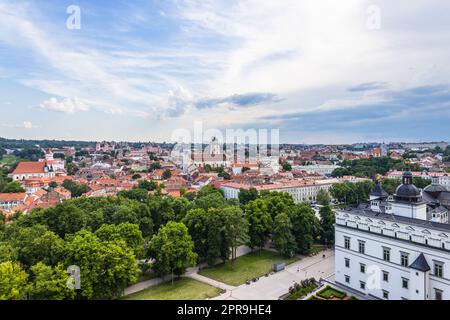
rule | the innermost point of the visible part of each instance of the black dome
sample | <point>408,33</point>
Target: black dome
<point>379,192</point>
<point>407,191</point>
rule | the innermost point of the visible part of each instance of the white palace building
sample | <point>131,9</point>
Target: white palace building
<point>396,248</point>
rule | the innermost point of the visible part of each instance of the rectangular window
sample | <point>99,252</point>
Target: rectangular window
<point>385,294</point>
<point>347,243</point>
<point>385,276</point>
<point>347,279</point>
<point>361,247</point>
<point>437,294</point>
<point>362,268</point>
<point>404,259</point>
<point>438,269</point>
<point>386,254</point>
<point>347,263</point>
<point>405,283</point>
<point>362,285</point>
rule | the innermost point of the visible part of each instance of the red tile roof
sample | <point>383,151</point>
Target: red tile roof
<point>9,197</point>
<point>30,167</point>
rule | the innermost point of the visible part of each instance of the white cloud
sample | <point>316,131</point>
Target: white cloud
<point>24,125</point>
<point>66,105</point>
<point>27,125</point>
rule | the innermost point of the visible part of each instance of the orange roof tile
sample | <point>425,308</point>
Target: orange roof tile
<point>9,197</point>
<point>30,167</point>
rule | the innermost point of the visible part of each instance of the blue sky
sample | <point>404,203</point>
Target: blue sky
<point>320,71</point>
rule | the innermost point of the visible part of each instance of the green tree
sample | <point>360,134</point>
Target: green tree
<point>13,187</point>
<point>180,207</point>
<point>166,174</point>
<point>277,202</point>
<point>76,190</point>
<point>420,182</point>
<point>107,267</point>
<point>305,226</point>
<point>13,281</point>
<point>235,231</point>
<point>287,166</point>
<point>53,184</point>
<point>259,223</point>
<point>34,244</point>
<point>155,165</point>
<point>7,252</point>
<point>245,196</point>
<point>323,197</point>
<point>126,231</point>
<point>198,221</point>
<point>136,176</point>
<point>283,238</point>
<point>173,249</point>
<point>49,283</point>
<point>389,185</point>
<point>148,185</point>
<point>327,220</point>
<point>138,194</point>
<point>209,189</point>
<point>211,200</point>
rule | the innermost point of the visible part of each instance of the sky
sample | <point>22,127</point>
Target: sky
<point>320,71</point>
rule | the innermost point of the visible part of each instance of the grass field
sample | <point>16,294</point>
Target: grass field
<point>182,289</point>
<point>246,267</point>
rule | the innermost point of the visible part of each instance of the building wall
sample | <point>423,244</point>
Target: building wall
<point>299,194</point>
<point>24,176</point>
<point>372,258</point>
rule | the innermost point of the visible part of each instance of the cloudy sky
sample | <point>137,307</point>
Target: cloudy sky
<point>320,71</point>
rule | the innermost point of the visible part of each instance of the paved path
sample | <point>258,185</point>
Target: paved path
<point>211,282</point>
<point>146,284</point>
<point>274,286</point>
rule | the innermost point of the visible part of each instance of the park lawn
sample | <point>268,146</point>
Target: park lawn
<point>182,289</point>
<point>255,264</point>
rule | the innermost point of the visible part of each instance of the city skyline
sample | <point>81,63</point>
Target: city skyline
<point>320,73</point>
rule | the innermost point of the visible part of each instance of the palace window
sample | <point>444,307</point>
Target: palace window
<point>347,279</point>
<point>405,283</point>
<point>438,269</point>
<point>347,263</point>
<point>385,294</point>
<point>362,268</point>
<point>361,247</point>
<point>386,254</point>
<point>385,276</point>
<point>362,285</point>
<point>404,259</point>
<point>437,294</point>
<point>347,243</point>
